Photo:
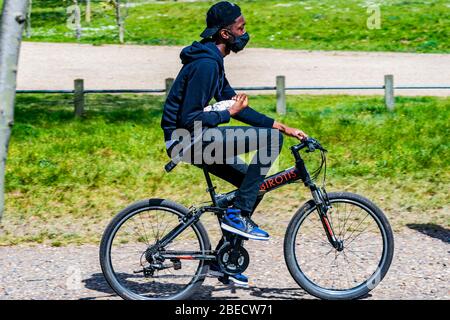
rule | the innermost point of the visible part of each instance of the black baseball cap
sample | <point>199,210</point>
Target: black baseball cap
<point>220,15</point>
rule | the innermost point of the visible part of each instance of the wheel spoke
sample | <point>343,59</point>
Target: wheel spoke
<point>309,261</point>
<point>351,267</point>
<point>127,255</point>
<point>357,228</point>
<point>141,236</point>
<point>345,222</point>
<point>145,232</point>
<point>344,270</point>
<point>151,224</point>
<point>356,236</point>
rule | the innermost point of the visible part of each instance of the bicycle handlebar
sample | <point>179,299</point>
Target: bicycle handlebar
<point>310,143</point>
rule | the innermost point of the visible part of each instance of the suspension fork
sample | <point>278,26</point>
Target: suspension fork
<point>322,207</point>
<point>319,198</point>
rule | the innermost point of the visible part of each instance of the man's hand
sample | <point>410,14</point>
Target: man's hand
<point>240,104</point>
<point>292,132</point>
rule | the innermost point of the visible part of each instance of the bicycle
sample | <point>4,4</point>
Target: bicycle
<point>174,264</point>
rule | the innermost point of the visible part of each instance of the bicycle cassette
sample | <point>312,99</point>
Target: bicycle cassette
<point>232,260</point>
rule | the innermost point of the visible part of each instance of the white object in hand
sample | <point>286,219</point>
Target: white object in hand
<point>220,106</point>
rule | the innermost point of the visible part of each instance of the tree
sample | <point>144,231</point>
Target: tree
<point>74,19</point>
<point>14,15</point>
<point>28,22</point>
<point>120,16</point>
<point>120,21</point>
<point>88,11</point>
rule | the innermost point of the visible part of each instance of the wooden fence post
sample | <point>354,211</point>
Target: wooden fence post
<point>169,83</point>
<point>281,95</point>
<point>389,98</point>
<point>78,98</point>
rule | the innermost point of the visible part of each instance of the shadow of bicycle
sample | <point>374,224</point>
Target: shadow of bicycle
<point>98,283</point>
<point>432,230</point>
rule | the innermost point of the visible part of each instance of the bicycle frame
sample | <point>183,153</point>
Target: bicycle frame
<point>221,202</point>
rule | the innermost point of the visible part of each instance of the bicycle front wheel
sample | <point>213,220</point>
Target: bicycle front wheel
<point>355,269</point>
<point>130,256</point>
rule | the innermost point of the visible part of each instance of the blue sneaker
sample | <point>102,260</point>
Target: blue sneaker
<point>238,279</point>
<point>243,226</point>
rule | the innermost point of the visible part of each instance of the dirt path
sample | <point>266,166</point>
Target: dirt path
<point>420,270</point>
<point>56,65</point>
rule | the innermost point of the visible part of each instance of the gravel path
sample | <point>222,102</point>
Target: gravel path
<point>56,65</point>
<point>420,270</point>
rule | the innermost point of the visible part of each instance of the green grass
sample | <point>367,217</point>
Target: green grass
<point>406,25</point>
<point>66,178</point>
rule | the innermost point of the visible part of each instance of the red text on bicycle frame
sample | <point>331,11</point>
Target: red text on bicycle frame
<point>279,179</point>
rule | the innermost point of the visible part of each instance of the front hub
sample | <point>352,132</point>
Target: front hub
<point>339,245</point>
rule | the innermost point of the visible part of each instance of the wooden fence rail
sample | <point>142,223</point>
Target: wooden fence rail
<point>280,88</point>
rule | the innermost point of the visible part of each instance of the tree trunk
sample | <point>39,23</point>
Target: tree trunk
<point>28,22</point>
<point>88,11</point>
<point>13,22</point>
<point>119,21</point>
<point>77,13</point>
<point>74,18</point>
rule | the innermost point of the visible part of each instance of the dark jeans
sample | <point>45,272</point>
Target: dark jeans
<point>246,177</point>
<point>224,144</point>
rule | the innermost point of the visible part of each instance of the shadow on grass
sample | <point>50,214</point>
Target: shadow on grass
<point>49,14</point>
<point>39,109</point>
<point>432,230</point>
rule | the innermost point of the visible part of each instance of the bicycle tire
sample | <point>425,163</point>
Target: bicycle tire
<point>124,215</point>
<point>322,293</point>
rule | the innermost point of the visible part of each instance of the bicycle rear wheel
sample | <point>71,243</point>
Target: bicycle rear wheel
<point>136,272</point>
<point>364,260</point>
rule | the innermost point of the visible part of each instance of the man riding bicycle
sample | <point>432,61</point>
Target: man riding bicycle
<point>201,78</point>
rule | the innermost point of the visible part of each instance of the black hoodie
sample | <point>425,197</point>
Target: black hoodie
<point>201,78</point>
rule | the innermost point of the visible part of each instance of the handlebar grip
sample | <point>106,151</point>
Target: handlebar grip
<point>170,166</point>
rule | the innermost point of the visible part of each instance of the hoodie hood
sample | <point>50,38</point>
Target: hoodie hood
<point>199,50</point>
<point>198,81</point>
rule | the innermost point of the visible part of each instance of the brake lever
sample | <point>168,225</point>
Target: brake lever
<point>310,145</point>
<point>319,146</point>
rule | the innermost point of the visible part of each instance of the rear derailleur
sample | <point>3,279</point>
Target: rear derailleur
<point>156,263</point>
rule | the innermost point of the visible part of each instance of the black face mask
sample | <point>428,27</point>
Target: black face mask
<point>239,42</point>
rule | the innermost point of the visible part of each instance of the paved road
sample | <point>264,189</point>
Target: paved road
<point>420,270</point>
<point>56,65</point>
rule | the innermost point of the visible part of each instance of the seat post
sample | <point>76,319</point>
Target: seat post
<point>211,188</point>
